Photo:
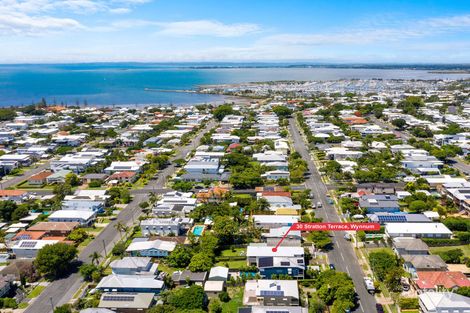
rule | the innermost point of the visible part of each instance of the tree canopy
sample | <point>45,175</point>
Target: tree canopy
<point>54,260</point>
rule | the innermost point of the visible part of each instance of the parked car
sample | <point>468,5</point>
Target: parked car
<point>332,266</point>
<point>379,308</point>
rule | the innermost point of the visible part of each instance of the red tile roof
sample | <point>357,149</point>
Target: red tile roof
<point>11,193</point>
<point>29,235</point>
<point>40,176</point>
<point>431,280</point>
<point>54,226</point>
<point>122,175</point>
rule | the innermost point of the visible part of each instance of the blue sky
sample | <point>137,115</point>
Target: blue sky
<point>366,31</point>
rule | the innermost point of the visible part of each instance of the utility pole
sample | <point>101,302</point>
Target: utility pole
<point>52,304</point>
<point>104,247</point>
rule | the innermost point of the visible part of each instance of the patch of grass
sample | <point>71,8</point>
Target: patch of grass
<point>23,305</point>
<point>93,231</point>
<point>232,264</point>
<point>236,301</point>
<point>464,248</point>
<point>380,249</point>
<point>36,291</point>
<point>25,185</point>
<point>85,242</point>
<point>235,252</point>
<point>162,267</point>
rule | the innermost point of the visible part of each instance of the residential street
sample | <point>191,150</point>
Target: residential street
<point>18,179</point>
<point>61,291</point>
<point>342,255</point>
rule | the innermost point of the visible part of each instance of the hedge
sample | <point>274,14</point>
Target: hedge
<point>433,242</point>
<point>230,258</point>
<point>408,303</point>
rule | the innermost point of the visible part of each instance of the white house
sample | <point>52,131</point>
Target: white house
<point>274,221</point>
<point>29,248</point>
<point>85,218</point>
<point>275,175</point>
<point>153,248</point>
<point>128,166</point>
<point>417,230</point>
<point>443,302</point>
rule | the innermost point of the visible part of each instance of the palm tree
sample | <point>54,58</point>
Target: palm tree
<point>152,197</point>
<point>120,227</point>
<point>95,257</point>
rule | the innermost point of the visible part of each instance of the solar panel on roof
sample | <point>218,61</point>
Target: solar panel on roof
<point>277,293</point>
<point>392,218</point>
<point>28,244</point>
<point>118,298</point>
<point>265,261</point>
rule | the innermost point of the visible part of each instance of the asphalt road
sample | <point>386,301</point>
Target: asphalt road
<point>342,255</point>
<point>463,167</point>
<point>18,179</point>
<point>61,291</point>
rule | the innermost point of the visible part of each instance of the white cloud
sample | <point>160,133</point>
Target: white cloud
<point>359,36</point>
<point>23,24</point>
<point>459,21</point>
<point>207,28</point>
<point>28,17</point>
<point>189,28</point>
<point>120,10</point>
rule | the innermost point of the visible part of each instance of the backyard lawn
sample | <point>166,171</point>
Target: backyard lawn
<point>465,249</point>
<point>232,264</point>
<point>162,267</point>
<point>235,252</point>
<point>236,301</point>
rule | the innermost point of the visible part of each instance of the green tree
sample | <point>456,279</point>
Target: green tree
<point>418,206</point>
<point>464,291</point>
<point>225,228</point>
<point>246,178</point>
<point>453,256</point>
<point>95,257</point>
<point>87,270</point>
<point>201,262</point>
<point>7,114</point>
<point>222,110</point>
<point>208,243</point>
<point>62,190</point>
<point>215,306</point>
<point>54,260</point>
<point>282,111</point>
<point>66,308</point>
<point>72,179</point>
<point>321,239</point>
<point>180,256</point>
<point>393,279</point>
<point>119,249</point>
<point>381,263</point>
<point>78,235</point>
<point>20,212</point>
<point>187,298</point>
<point>399,123</point>
<point>6,210</point>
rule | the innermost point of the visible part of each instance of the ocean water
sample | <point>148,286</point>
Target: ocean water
<point>126,84</point>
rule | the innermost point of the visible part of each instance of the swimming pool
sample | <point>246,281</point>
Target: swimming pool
<point>197,230</point>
